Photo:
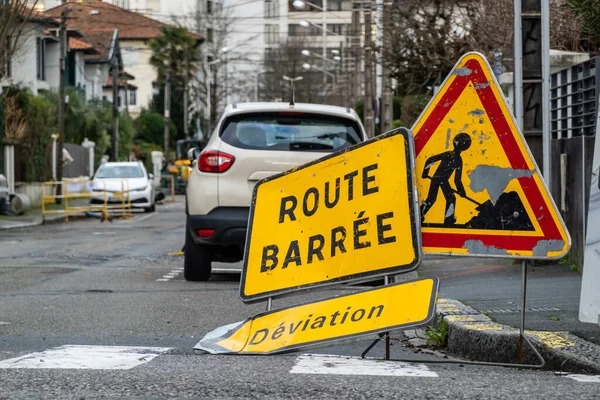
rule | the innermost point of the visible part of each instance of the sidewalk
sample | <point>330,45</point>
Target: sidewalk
<point>32,217</point>
<point>480,303</point>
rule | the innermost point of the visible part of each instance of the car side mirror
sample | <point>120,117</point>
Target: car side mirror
<point>150,176</point>
<point>193,153</point>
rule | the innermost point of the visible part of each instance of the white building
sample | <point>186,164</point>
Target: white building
<point>241,34</point>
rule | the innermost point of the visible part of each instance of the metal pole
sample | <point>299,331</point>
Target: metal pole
<point>523,303</point>
<point>546,131</point>
<point>387,95</point>
<point>167,116</point>
<point>386,281</point>
<point>256,88</point>
<point>208,98</point>
<point>518,74</point>
<point>186,133</point>
<point>61,98</point>
<point>324,17</point>
<point>368,103</point>
<point>115,122</point>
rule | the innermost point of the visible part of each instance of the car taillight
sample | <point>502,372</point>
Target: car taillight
<point>215,161</point>
<point>205,233</point>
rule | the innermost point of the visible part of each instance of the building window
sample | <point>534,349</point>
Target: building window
<point>271,33</point>
<point>40,51</point>
<point>209,35</point>
<point>130,57</point>
<point>299,30</point>
<point>209,7</point>
<point>133,97</point>
<point>334,5</point>
<point>271,9</point>
<point>123,3</point>
<point>336,28</point>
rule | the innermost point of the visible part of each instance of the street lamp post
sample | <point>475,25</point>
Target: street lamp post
<point>334,79</point>
<point>301,4</point>
<point>292,81</point>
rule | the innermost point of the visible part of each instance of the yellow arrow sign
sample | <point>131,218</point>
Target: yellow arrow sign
<point>372,311</point>
<point>344,217</point>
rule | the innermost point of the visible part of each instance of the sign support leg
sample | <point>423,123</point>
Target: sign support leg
<point>386,281</point>
<point>269,303</point>
<point>523,303</point>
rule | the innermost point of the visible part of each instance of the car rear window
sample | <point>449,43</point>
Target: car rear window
<point>291,131</point>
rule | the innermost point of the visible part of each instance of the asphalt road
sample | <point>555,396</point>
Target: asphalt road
<point>76,294</point>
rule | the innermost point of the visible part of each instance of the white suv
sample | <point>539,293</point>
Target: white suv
<point>252,141</point>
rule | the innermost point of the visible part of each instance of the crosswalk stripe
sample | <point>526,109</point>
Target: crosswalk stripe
<point>86,357</point>
<point>344,365</point>
<point>584,378</point>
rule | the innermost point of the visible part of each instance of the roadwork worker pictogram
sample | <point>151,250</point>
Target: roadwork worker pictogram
<point>450,163</point>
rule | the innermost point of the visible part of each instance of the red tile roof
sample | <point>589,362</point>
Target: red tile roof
<point>97,15</point>
<point>101,41</point>
<point>80,45</point>
<point>109,84</point>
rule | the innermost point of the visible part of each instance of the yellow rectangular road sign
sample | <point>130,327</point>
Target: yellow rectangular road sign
<point>382,309</point>
<point>347,216</point>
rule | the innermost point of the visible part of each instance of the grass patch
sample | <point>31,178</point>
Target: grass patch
<point>554,318</point>
<point>437,336</point>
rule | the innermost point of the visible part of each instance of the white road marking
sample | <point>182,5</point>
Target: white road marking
<point>86,357</point>
<point>342,365</point>
<point>104,233</point>
<point>585,378</point>
<point>167,277</point>
<point>4,323</point>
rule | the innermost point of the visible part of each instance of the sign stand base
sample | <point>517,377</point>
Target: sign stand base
<point>522,339</point>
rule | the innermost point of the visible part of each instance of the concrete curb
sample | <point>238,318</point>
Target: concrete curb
<point>56,219</point>
<point>475,336</point>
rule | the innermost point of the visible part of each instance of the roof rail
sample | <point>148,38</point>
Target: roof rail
<point>348,110</point>
<point>234,105</point>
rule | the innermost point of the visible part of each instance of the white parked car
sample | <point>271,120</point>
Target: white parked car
<point>129,177</point>
<point>252,141</point>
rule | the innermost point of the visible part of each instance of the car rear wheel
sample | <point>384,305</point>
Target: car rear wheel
<point>196,260</point>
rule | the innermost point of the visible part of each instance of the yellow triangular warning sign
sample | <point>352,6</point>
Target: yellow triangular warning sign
<point>480,190</point>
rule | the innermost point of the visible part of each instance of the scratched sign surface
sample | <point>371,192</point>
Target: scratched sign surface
<point>344,217</point>
<point>480,190</point>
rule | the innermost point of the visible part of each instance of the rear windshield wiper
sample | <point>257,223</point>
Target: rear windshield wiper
<point>309,146</point>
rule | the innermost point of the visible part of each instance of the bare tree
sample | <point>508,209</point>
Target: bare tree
<point>430,36</point>
<point>286,59</point>
<point>217,28</point>
<point>14,15</point>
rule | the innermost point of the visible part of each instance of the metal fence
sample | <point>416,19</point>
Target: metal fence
<point>79,166</point>
<point>574,95</point>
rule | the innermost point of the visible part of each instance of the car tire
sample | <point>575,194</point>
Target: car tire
<point>196,260</point>
<point>150,209</point>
